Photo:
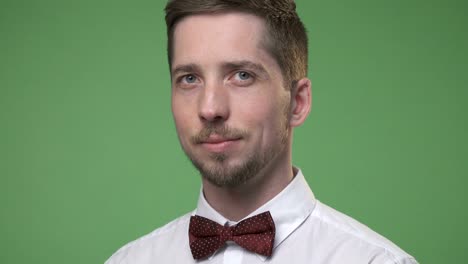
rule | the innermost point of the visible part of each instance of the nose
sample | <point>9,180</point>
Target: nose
<point>213,104</point>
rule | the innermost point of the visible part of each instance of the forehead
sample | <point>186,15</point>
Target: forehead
<point>207,38</point>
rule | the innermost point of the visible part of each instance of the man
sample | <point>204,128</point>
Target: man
<point>239,87</point>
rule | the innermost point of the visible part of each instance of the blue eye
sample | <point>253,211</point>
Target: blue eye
<point>243,78</point>
<point>190,78</point>
<point>243,75</point>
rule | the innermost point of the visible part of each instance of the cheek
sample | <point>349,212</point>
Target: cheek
<point>263,116</point>
<point>275,119</point>
<point>181,118</point>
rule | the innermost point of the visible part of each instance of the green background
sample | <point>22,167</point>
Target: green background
<point>89,157</point>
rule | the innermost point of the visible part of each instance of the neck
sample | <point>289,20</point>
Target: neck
<point>235,203</point>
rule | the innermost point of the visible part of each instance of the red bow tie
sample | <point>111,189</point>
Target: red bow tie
<point>255,234</point>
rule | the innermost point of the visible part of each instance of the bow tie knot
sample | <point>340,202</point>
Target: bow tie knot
<point>255,234</point>
<point>226,234</point>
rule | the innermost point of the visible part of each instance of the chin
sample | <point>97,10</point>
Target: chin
<point>223,172</point>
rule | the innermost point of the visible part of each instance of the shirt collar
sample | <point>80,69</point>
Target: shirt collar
<point>289,209</point>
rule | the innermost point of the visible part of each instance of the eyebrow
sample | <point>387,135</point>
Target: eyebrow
<point>245,64</point>
<point>226,66</point>
<point>192,67</point>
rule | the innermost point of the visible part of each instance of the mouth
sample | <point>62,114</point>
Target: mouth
<point>215,139</point>
<point>218,144</point>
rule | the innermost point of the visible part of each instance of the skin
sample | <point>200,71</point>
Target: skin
<point>223,77</point>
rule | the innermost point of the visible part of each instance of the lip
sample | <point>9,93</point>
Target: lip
<point>219,144</point>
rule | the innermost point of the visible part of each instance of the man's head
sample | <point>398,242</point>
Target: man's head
<point>285,36</point>
<point>232,103</point>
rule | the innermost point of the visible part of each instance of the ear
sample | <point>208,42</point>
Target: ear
<point>301,102</point>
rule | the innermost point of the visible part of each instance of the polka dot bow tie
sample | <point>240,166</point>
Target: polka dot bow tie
<point>255,234</point>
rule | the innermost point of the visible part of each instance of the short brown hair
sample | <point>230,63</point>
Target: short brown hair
<point>286,38</point>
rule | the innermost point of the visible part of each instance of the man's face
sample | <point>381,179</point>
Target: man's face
<point>228,100</point>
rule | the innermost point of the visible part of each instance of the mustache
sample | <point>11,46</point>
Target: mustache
<point>223,131</point>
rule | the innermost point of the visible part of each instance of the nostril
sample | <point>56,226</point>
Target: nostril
<point>210,117</point>
<point>214,116</point>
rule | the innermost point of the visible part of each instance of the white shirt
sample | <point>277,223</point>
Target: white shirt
<point>307,231</point>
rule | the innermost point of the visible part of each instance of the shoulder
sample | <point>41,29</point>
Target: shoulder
<point>357,237</point>
<point>158,241</point>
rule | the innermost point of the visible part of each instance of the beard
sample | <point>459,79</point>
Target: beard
<point>219,168</point>
<point>221,174</point>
